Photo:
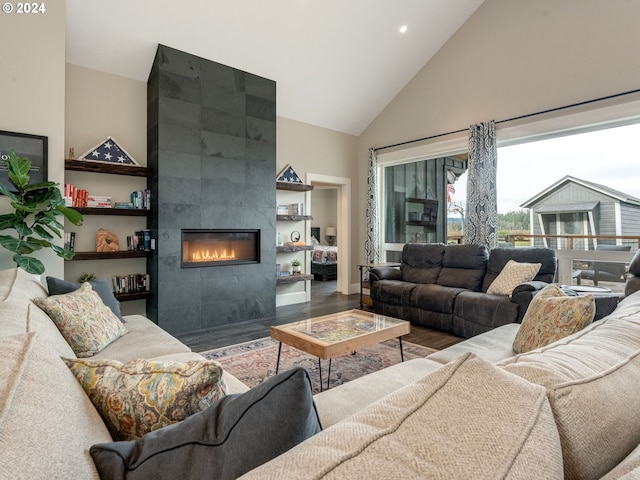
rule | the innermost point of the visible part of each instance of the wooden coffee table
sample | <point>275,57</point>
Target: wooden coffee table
<point>339,333</point>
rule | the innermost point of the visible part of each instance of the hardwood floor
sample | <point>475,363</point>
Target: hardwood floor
<point>324,300</point>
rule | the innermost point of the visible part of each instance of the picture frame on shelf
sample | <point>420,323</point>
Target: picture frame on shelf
<point>33,147</point>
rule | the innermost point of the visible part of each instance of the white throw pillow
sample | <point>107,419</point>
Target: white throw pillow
<point>513,274</point>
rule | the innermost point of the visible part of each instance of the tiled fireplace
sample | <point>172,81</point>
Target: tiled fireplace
<point>215,248</point>
<point>212,151</point>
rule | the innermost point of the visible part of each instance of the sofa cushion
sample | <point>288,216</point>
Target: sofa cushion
<point>140,396</point>
<point>144,339</point>
<point>477,312</point>
<point>513,274</point>
<point>101,286</point>
<point>84,321</point>
<point>464,266</point>
<point>434,298</point>
<point>47,423</point>
<point>22,316</point>
<point>553,315</point>
<point>231,437</point>
<point>422,263</point>
<point>499,257</point>
<point>16,284</point>
<point>462,420</point>
<point>628,469</point>
<point>394,292</point>
<point>591,379</point>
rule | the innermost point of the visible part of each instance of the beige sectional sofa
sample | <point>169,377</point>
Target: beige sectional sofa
<point>474,410</point>
<point>47,422</point>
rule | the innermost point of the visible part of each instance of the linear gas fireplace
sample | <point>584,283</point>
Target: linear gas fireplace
<point>210,248</point>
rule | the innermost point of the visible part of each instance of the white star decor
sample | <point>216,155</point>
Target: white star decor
<point>108,151</point>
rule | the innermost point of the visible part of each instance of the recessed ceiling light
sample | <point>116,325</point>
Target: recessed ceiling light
<point>403,29</point>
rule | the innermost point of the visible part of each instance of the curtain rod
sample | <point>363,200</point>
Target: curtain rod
<point>520,117</point>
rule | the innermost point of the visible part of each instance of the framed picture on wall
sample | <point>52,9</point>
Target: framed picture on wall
<point>33,147</point>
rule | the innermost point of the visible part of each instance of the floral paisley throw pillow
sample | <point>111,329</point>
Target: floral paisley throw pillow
<point>141,396</point>
<point>85,322</point>
<point>553,315</point>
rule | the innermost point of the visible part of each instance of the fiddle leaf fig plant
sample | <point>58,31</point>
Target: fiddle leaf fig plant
<point>35,208</point>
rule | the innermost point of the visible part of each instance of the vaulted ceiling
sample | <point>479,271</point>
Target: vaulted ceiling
<point>337,63</point>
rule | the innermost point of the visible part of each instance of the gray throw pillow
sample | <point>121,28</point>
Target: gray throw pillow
<point>101,286</point>
<point>234,435</point>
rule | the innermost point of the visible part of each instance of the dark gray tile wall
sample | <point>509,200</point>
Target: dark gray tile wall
<point>211,133</point>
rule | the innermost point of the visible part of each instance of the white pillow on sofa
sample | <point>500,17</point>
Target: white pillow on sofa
<point>513,274</point>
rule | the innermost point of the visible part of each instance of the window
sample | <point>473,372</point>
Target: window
<point>414,202</point>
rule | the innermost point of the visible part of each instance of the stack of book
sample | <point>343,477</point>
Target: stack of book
<point>141,199</point>
<point>75,197</point>
<point>98,201</point>
<point>140,240</point>
<point>135,282</point>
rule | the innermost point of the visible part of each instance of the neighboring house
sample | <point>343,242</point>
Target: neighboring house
<point>578,207</point>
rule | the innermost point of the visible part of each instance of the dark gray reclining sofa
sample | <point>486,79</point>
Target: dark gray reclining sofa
<point>443,286</point>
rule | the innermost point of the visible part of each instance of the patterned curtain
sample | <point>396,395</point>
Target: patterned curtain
<point>372,241</point>
<point>481,221</point>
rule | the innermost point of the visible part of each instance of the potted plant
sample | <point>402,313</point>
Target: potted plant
<point>35,208</point>
<point>295,266</point>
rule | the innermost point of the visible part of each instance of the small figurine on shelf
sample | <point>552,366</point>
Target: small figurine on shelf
<point>295,267</point>
<point>106,241</point>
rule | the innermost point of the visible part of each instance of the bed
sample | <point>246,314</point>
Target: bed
<point>324,259</point>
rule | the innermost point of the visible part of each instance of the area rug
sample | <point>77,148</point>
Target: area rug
<point>255,361</point>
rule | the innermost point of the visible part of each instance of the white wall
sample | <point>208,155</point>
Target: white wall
<point>324,206</point>
<point>32,93</point>
<point>512,57</point>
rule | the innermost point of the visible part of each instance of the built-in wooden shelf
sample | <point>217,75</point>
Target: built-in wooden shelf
<point>294,218</point>
<point>125,297</point>
<point>111,255</point>
<point>295,187</point>
<point>123,212</point>
<point>293,248</point>
<point>112,168</point>
<point>293,278</point>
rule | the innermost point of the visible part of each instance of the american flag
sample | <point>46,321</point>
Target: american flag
<point>288,175</point>
<point>110,152</point>
<point>450,191</point>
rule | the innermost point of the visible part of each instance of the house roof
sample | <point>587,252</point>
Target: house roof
<point>602,189</point>
<point>336,63</point>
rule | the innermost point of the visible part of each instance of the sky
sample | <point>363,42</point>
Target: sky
<point>607,157</point>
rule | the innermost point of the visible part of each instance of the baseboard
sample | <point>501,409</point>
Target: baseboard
<point>291,298</point>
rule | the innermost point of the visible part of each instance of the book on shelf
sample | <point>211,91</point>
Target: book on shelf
<point>123,205</point>
<point>69,241</point>
<point>98,201</point>
<point>131,283</point>
<point>296,209</point>
<point>141,199</point>
<point>140,240</point>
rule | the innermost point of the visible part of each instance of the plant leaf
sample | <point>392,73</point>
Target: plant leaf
<point>40,230</point>
<point>61,252</point>
<point>30,265</point>
<point>8,220</point>
<point>18,170</point>
<point>70,214</point>
<point>17,246</point>
<point>5,191</point>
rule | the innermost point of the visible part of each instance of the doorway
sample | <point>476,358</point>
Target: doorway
<point>340,188</point>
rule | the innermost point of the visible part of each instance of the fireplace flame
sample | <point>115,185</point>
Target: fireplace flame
<point>206,256</point>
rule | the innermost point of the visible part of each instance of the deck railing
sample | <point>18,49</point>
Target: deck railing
<point>571,252</point>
